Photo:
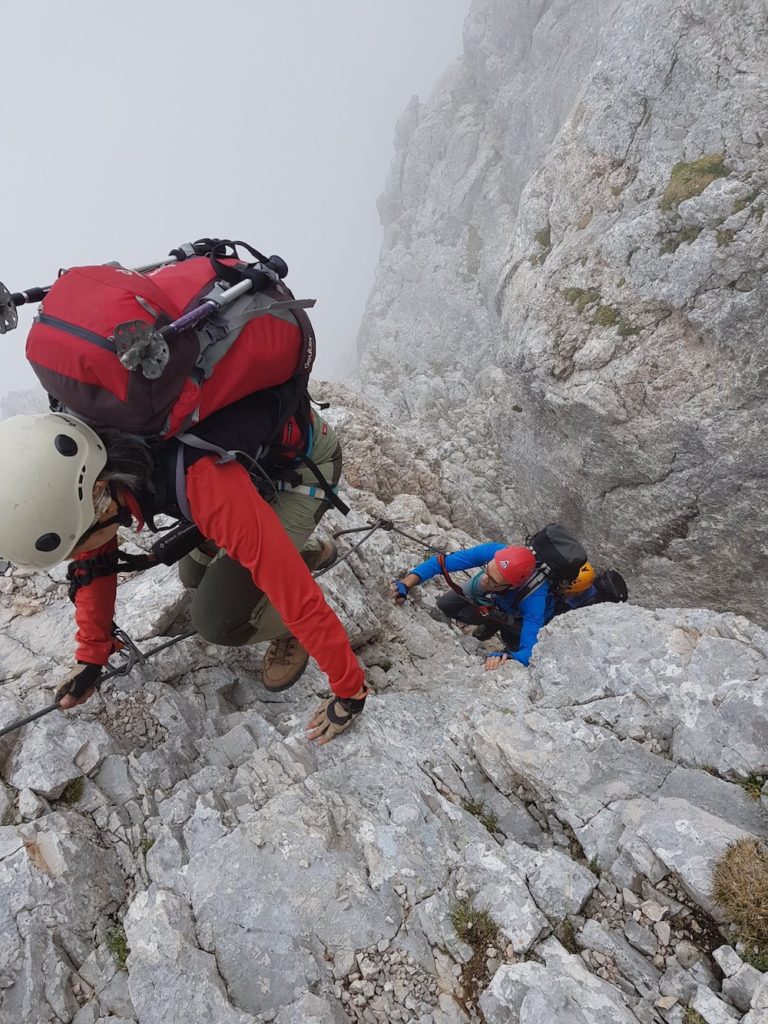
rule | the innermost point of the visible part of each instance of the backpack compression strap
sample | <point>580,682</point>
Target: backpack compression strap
<point>231,456</point>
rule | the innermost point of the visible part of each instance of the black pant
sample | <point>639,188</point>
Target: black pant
<point>457,607</point>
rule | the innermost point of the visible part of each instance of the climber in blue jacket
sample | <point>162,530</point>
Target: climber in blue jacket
<point>506,595</point>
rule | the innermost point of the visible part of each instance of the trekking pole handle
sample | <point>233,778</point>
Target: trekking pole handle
<point>30,295</point>
<point>194,316</point>
<point>37,294</point>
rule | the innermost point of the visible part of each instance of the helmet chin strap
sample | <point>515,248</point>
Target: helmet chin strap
<point>122,517</point>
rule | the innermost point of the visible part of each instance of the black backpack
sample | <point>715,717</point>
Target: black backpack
<point>611,586</point>
<point>559,553</point>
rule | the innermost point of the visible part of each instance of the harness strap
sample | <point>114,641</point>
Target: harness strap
<point>329,489</point>
<point>312,491</point>
<point>84,571</point>
<point>454,586</point>
<point>538,577</point>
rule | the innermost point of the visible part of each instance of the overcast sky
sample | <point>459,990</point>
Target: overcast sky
<point>131,127</point>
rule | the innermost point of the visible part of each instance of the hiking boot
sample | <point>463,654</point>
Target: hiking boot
<point>284,663</point>
<point>323,558</point>
<point>486,630</point>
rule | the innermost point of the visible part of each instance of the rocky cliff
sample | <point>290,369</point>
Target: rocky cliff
<point>532,845</point>
<point>571,303</point>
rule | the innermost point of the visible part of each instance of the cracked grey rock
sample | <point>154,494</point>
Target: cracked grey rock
<point>740,987</point>
<point>47,756</point>
<point>171,980</point>
<point>559,885</point>
<point>629,962</point>
<point>553,992</point>
<point>712,1009</point>
<point>529,181</point>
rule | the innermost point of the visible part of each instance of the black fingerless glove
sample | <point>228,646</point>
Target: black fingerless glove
<point>80,681</point>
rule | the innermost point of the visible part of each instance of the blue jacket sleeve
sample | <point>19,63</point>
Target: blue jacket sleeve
<point>469,558</point>
<point>536,611</point>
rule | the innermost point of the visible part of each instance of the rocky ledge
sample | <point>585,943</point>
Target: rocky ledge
<point>530,845</point>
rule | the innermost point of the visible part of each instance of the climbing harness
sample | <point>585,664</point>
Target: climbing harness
<point>81,573</point>
<point>131,656</point>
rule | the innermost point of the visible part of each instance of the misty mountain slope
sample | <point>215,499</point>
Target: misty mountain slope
<point>571,298</point>
<point>175,850</point>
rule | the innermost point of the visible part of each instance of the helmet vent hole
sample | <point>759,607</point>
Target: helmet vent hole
<point>80,484</point>
<point>48,542</point>
<point>65,445</point>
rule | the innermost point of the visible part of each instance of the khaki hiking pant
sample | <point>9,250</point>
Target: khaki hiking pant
<point>227,607</point>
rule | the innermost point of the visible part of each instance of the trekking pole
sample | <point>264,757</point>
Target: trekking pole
<point>132,658</point>
<point>139,343</point>
<point>9,301</point>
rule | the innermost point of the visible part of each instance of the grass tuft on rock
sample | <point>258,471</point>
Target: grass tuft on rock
<point>755,957</point>
<point>594,867</point>
<point>753,786</point>
<point>72,791</point>
<point>606,316</point>
<point>117,944</point>
<point>486,817</point>
<point>692,1017</point>
<point>565,933</point>
<point>581,297</point>
<point>740,887</point>
<point>475,927</point>
<point>689,180</point>
<point>627,329</point>
<point>478,929</point>
<point>673,242</point>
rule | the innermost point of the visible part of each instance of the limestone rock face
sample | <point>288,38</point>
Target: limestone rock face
<point>535,844</point>
<point>572,297</point>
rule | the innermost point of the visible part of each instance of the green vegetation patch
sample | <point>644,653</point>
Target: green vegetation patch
<point>692,1017</point>
<point>753,786</point>
<point>673,242</point>
<point>627,329</point>
<point>73,791</point>
<point>475,927</point>
<point>566,935</point>
<point>478,929</point>
<point>606,316</point>
<point>486,817</point>
<point>689,180</point>
<point>755,957</point>
<point>740,887</point>
<point>544,237</point>
<point>594,867</point>
<point>581,297</point>
<point>117,944</point>
<point>146,845</point>
<point>725,236</point>
<point>742,204</point>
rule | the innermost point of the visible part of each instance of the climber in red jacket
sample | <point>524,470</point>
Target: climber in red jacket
<point>73,488</point>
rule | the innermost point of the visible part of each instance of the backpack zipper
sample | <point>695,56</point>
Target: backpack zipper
<point>78,332</point>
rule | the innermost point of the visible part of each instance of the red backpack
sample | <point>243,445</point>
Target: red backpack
<point>263,339</point>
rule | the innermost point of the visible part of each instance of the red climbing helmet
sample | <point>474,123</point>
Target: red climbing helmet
<point>515,564</point>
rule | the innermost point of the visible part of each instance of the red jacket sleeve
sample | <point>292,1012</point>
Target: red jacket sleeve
<point>95,612</point>
<point>230,511</point>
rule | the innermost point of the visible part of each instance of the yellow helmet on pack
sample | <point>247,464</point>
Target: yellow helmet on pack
<point>583,581</point>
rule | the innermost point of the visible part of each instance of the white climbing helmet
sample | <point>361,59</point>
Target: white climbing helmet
<point>48,466</point>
